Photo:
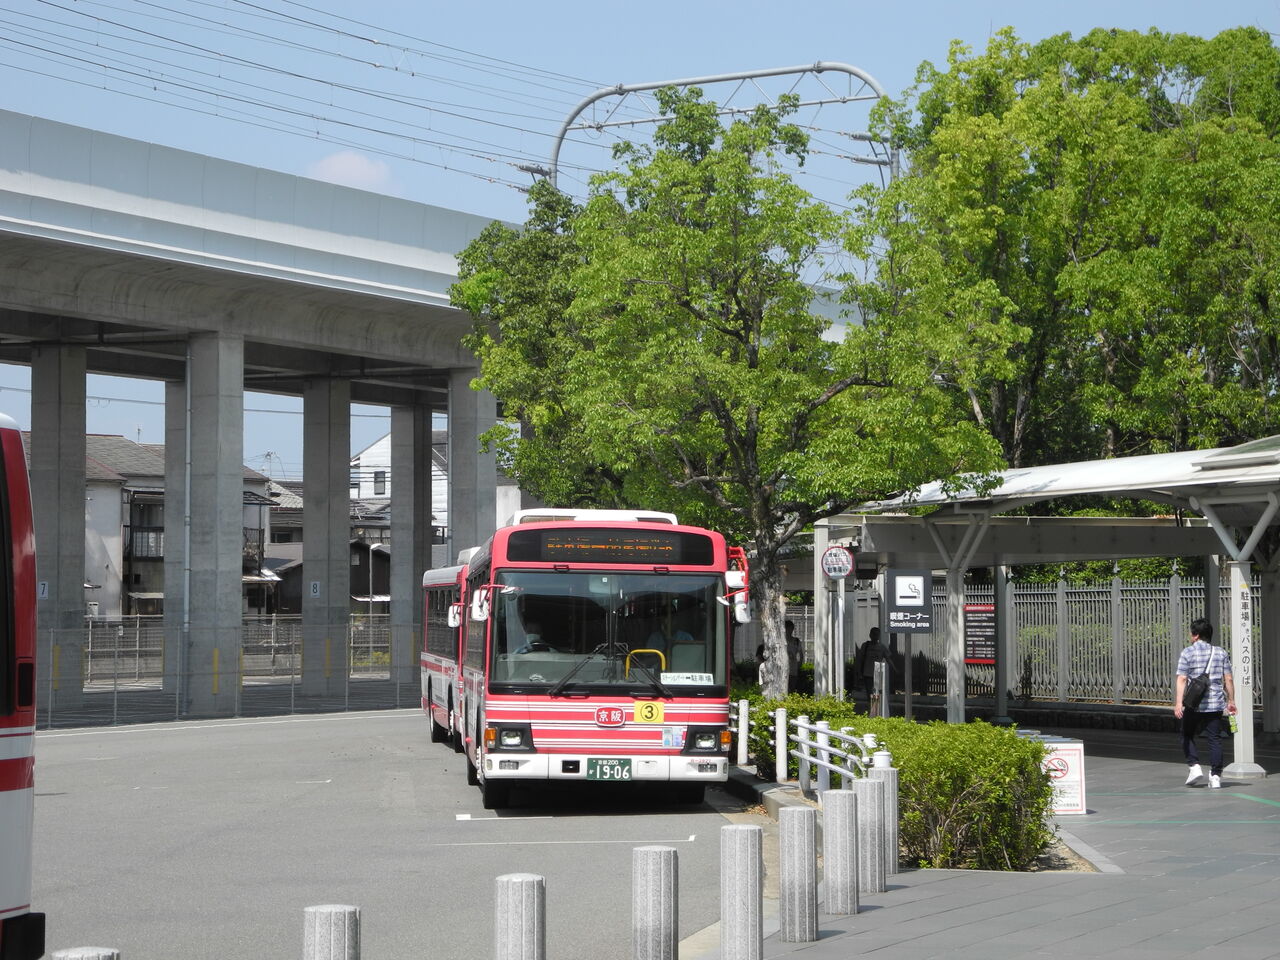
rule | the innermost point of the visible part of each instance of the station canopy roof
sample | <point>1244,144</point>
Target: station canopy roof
<point>1235,488</point>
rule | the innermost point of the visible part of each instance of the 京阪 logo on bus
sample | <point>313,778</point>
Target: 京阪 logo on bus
<point>610,716</point>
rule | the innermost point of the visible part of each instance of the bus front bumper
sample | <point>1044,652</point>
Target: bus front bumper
<point>706,768</point>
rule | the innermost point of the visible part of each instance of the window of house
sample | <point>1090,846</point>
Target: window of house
<point>379,483</point>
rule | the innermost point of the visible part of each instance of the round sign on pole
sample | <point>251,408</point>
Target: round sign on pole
<point>837,562</point>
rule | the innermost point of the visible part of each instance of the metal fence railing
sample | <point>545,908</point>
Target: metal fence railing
<point>126,675</point>
<point>1115,641</point>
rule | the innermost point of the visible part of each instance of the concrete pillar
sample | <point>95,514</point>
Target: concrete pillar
<point>1269,648</point>
<point>176,543</point>
<point>410,534</point>
<point>955,645</point>
<point>326,534</point>
<point>215,588</point>
<point>889,776</point>
<point>655,903</point>
<point>473,476</point>
<point>741,892</point>
<point>331,932</point>
<point>822,627</point>
<point>840,851</point>
<point>58,502</point>
<point>870,794</point>
<point>798,874</point>
<point>520,917</point>
<point>1005,671</point>
<point>1238,638</point>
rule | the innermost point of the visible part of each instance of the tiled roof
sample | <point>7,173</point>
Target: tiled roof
<point>129,459</point>
<point>249,474</point>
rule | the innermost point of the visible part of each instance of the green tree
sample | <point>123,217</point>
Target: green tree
<point>661,346</point>
<point>1117,197</point>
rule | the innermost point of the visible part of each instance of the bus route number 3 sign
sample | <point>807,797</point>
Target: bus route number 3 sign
<point>648,711</point>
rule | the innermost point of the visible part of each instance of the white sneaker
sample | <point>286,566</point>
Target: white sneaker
<point>1215,781</point>
<point>1194,775</point>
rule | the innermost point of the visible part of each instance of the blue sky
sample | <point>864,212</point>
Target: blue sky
<point>443,102</point>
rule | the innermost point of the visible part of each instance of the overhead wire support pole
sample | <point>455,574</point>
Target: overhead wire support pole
<point>622,90</point>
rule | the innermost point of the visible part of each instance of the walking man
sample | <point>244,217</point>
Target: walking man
<point>1200,656</point>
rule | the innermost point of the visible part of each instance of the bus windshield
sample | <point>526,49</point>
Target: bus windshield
<point>575,633</point>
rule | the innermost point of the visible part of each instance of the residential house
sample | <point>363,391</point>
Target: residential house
<point>124,530</point>
<point>371,485</point>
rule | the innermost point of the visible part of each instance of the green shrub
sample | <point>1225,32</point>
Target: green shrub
<point>970,795</point>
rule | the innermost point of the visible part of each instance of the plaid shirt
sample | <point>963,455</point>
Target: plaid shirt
<point>1200,657</point>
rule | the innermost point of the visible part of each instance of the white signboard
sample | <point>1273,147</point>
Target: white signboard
<point>837,562</point>
<point>1065,766</point>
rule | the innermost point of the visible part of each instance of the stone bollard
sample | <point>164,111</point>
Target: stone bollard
<point>655,903</point>
<point>741,892</point>
<point>87,953</point>
<point>870,795</point>
<point>798,873</point>
<point>520,917</point>
<point>840,851</point>
<point>331,931</point>
<point>890,777</point>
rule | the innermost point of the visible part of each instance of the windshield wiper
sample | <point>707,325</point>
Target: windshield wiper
<point>559,688</point>
<point>663,690</point>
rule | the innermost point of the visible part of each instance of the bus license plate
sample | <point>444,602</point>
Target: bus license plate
<point>608,768</point>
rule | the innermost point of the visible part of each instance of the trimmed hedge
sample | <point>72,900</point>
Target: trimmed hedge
<point>970,795</point>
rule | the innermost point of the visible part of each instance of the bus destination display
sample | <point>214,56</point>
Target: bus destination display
<point>607,545</point>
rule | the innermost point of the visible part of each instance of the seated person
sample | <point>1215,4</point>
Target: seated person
<point>658,640</point>
<point>533,639</point>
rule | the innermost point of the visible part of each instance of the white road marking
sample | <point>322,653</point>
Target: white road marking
<point>550,843</point>
<point>467,816</point>
<point>330,780</point>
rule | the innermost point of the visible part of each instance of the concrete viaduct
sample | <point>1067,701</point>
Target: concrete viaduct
<point>126,258</point>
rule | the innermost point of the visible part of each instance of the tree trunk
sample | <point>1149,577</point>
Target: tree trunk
<point>771,602</point>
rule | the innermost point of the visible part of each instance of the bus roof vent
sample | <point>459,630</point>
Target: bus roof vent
<point>464,556</point>
<point>552,515</point>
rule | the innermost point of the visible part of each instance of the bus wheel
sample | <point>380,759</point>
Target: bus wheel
<point>495,794</point>
<point>688,792</point>
<point>472,779</point>
<point>455,734</point>
<point>438,733</point>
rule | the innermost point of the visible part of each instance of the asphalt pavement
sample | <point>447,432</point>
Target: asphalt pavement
<point>1177,872</point>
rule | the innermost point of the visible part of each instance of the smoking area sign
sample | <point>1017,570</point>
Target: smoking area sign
<point>910,596</point>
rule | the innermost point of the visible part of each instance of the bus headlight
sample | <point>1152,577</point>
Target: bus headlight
<point>707,740</point>
<point>510,737</point>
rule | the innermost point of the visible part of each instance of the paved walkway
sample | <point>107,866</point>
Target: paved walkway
<point>1181,872</point>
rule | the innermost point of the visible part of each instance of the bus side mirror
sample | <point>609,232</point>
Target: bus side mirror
<point>454,616</point>
<point>741,612</point>
<point>480,605</point>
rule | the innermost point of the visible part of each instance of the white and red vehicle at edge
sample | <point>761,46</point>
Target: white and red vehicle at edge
<point>21,931</point>
<point>444,595</point>
<point>595,645</point>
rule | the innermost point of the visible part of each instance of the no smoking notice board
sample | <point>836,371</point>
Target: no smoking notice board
<point>1065,766</point>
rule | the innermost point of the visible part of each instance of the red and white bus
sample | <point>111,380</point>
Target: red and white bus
<point>21,931</point>
<point>444,595</point>
<point>595,645</point>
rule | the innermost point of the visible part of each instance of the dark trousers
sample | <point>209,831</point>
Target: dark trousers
<point>1193,724</point>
